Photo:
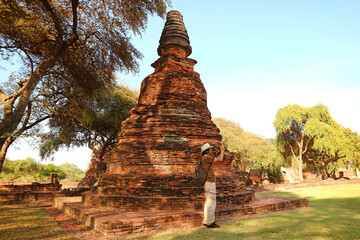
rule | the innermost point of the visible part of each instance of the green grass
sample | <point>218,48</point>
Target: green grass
<point>334,213</point>
<point>22,222</point>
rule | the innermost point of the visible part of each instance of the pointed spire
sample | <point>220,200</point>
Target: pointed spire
<point>174,33</point>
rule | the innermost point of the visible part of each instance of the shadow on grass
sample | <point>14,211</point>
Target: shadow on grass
<point>20,222</point>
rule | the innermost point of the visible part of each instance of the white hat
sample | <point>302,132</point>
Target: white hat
<point>205,147</point>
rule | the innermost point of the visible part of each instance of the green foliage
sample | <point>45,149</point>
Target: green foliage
<point>90,40</point>
<point>231,132</point>
<point>313,136</point>
<point>22,170</point>
<point>52,169</point>
<point>73,173</point>
<point>249,149</point>
<point>353,150</point>
<point>29,170</point>
<point>64,50</point>
<point>93,121</point>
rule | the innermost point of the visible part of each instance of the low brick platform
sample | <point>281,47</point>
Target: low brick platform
<point>39,193</point>
<point>112,221</point>
<point>35,193</point>
<point>33,197</point>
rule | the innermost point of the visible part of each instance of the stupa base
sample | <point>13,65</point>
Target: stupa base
<point>157,203</point>
<point>153,193</point>
<point>114,221</point>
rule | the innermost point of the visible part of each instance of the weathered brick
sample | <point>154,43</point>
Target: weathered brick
<point>151,167</point>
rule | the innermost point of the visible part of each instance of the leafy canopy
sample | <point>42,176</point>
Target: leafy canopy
<point>94,121</point>
<point>314,135</point>
<point>30,170</point>
<point>248,149</point>
<point>52,169</point>
<point>64,47</point>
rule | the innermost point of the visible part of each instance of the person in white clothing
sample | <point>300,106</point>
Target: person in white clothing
<point>208,157</point>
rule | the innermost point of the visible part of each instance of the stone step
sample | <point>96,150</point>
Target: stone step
<point>154,203</point>
<point>113,221</point>
<point>261,205</point>
<point>137,181</point>
<point>179,191</point>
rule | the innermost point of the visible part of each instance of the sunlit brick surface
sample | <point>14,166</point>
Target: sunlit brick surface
<point>152,165</point>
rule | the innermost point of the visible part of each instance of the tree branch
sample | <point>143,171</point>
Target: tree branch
<point>28,114</point>
<point>306,146</point>
<point>30,59</point>
<point>14,95</point>
<point>296,142</point>
<point>26,121</point>
<point>74,5</point>
<point>89,142</point>
<point>22,82</point>
<point>292,150</point>
<point>37,122</point>
<point>7,144</point>
<point>3,96</point>
<point>336,158</point>
<point>55,18</point>
<point>107,143</point>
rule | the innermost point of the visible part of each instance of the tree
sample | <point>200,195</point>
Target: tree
<point>312,135</point>
<point>248,149</point>
<point>22,170</point>
<point>73,173</point>
<point>76,44</point>
<point>291,138</point>
<point>330,145</point>
<point>231,133</point>
<point>354,153</point>
<point>29,170</point>
<point>93,121</point>
<point>52,169</point>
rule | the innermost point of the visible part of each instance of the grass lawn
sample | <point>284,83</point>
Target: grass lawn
<point>334,213</point>
<point>23,222</point>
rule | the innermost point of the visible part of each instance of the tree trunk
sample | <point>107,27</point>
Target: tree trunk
<point>301,177</point>
<point>10,123</point>
<point>324,173</point>
<point>3,150</point>
<point>2,158</point>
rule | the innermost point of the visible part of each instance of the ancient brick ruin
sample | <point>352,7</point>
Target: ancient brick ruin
<point>90,178</point>
<point>38,193</point>
<point>29,193</point>
<point>148,185</point>
<point>152,165</point>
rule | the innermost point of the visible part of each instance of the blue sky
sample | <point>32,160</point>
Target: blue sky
<point>257,56</point>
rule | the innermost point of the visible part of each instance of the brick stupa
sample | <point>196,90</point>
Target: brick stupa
<point>152,165</point>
